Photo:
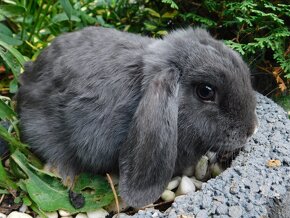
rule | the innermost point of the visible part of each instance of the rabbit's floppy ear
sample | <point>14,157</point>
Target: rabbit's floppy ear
<point>147,158</point>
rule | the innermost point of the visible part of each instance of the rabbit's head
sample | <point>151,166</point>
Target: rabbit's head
<point>197,96</point>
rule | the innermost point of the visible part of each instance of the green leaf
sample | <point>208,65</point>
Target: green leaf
<point>171,2</point>
<point>9,40</point>
<point>26,200</point>
<point>20,58</point>
<point>5,111</point>
<point>13,86</point>
<point>3,191</point>
<point>5,181</point>
<point>11,10</point>
<point>152,12</point>
<point>67,7</point>
<point>4,134</point>
<point>169,15</point>
<point>63,17</point>
<point>5,30</point>
<point>149,26</point>
<point>11,61</point>
<point>50,195</point>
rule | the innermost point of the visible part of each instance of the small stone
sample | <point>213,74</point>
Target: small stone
<point>197,183</point>
<point>234,189</point>
<point>206,201</point>
<point>249,207</point>
<point>235,211</point>
<point>121,215</point>
<point>99,213</point>
<point>155,215</point>
<point>212,157</point>
<point>81,215</point>
<point>2,215</point>
<point>201,168</point>
<point>215,170</point>
<point>222,209</point>
<point>51,214</point>
<point>189,171</point>
<point>185,216</point>
<point>23,208</point>
<point>64,213</point>
<point>16,214</point>
<point>270,120</point>
<point>185,186</point>
<point>202,214</point>
<point>168,195</point>
<point>7,164</point>
<point>174,183</point>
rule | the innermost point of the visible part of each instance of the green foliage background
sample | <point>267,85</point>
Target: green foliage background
<point>257,29</point>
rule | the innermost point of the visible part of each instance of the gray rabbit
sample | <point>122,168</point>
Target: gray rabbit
<point>100,100</point>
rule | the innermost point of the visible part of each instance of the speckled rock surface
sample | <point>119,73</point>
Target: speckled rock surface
<point>249,188</point>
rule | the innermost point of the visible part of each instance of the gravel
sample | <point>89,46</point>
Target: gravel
<point>249,188</point>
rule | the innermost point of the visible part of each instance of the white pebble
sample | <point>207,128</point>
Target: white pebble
<point>215,170</point>
<point>64,213</point>
<point>121,215</point>
<point>185,186</point>
<point>201,168</point>
<point>7,164</point>
<point>155,215</point>
<point>67,217</point>
<point>16,214</point>
<point>2,215</point>
<point>23,208</point>
<point>189,171</point>
<point>173,183</point>
<point>51,215</point>
<point>212,157</point>
<point>99,213</point>
<point>168,195</point>
<point>81,215</point>
<point>197,183</point>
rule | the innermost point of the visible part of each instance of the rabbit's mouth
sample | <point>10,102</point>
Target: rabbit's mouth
<point>228,148</point>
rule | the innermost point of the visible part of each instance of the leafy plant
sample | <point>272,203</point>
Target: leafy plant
<point>257,29</point>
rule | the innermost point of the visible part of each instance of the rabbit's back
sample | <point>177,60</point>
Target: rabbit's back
<point>78,98</point>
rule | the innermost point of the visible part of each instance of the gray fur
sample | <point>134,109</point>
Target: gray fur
<point>100,100</point>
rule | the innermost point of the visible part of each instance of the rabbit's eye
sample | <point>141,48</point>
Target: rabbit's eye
<point>205,92</point>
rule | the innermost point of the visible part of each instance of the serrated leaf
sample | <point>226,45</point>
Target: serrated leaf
<point>50,195</point>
